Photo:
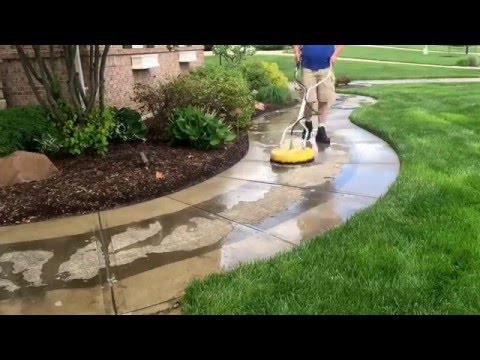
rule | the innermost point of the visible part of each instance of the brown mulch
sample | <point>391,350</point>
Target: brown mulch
<point>92,183</point>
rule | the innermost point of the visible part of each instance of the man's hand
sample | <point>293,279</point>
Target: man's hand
<point>336,54</point>
<point>333,59</point>
<point>296,49</point>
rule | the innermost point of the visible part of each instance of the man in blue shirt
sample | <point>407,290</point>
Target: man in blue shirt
<point>316,61</point>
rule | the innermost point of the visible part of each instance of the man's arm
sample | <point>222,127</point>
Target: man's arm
<point>296,49</point>
<point>336,54</point>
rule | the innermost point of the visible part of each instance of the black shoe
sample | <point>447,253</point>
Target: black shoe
<point>322,137</point>
<point>309,126</point>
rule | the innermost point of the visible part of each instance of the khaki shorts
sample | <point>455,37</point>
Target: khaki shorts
<point>325,92</point>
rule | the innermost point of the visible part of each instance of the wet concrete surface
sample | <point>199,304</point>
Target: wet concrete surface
<point>139,259</point>
<point>65,275</point>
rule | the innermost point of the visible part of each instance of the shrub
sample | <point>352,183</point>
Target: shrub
<point>49,144</point>
<point>277,77</point>
<point>270,47</point>
<point>226,92</point>
<point>215,72</point>
<point>20,126</point>
<point>76,138</point>
<point>94,135</point>
<point>155,100</point>
<point>232,55</point>
<point>274,95</point>
<point>473,60</point>
<point>256,73</point>
<point>342,80</point>
<point>129,125</point>
<point>199,129</point>
<point>32,128</point>
<point>213,88</point>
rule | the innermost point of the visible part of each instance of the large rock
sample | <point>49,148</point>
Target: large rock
<point>23,166</point>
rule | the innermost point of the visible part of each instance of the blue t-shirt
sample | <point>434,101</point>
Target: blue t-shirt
<point>316,57</point>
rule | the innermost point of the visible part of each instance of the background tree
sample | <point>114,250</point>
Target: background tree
<point>82,118</point>
<point>43,67</point>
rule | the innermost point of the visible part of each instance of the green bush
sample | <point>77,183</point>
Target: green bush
<point>277,77</point>
<point>274,95</point>
<point>129,125</point>
<point>226,92</point>
<point>212,88</point>
<point>20,126</point>
<point>342,80</point>
<point>233,55</point>
<point>49,144</point>
<point>472,60</point>
<point>199,129</point>
<point>157,101</point>
<point>217,72</point>
<point>270,47</point>
<point>93,135</point>
<point>256,74</point>
<point>75,138</point>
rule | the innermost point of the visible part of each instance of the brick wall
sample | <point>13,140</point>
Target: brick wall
<point>3,103</point>
<point>119,75</point>
<point>16,89</point>
<point>1,86</point>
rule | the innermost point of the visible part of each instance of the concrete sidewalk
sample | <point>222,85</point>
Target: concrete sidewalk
<point>138,259</point>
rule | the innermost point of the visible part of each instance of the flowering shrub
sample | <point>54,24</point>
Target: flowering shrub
<point>233,54</point>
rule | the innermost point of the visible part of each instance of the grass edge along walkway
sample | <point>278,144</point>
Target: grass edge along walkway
<point>415,251</point>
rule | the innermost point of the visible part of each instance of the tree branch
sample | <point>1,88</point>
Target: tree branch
<point>90,70</point>
<point>27,63</point>
<point>72,49</point>
<point>26,68</point>
<point>79,88</point>
<point>93,93</point>
<point>102,77</point>
<point>43,68</point>
<point>48,86</point>
<point>52,61</point>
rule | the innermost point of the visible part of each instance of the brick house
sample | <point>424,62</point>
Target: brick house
<point>126,65</point>
<point>3,103</point>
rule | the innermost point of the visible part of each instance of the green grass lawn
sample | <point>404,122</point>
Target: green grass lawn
<point>443,48</point>
<point>415,251</point>
<point>360,52</point>
<point>367,71</point>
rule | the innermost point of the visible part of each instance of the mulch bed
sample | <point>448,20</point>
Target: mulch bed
<point>92,183</point>
<point>269,108</point>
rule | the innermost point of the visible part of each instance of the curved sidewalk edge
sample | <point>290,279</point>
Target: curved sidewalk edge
<point>138,259</point>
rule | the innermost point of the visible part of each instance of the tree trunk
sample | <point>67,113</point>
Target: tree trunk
<point>102,77</point>
<point>29,72</point>
<point>42,68</point>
